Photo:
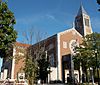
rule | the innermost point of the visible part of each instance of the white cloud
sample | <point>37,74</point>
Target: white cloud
<point>30,19</point>
<point>51,16</point>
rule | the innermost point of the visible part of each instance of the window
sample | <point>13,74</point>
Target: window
<point>64,44</point>
<point>52,59</point>
<point>78,22</point>
<point>87,22</point>
<point>51,46</point>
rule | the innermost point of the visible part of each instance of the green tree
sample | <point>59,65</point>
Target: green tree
<point>7,33</point>
<point>43,68</point>
<point>34,56</point>
<point>85,53</point>
<point>98,1</point>
<point>30,69</point>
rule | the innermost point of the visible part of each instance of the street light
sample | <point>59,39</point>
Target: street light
<point>48,69</point>
<point>97,67</point>
<point>91,73</point>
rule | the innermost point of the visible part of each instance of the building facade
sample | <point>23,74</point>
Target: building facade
<point>60,47</point>
<point>13,66</point>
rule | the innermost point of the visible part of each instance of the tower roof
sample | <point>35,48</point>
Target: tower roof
<point>81,11</point>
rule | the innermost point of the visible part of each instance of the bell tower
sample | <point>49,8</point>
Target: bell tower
<point>82,22</point>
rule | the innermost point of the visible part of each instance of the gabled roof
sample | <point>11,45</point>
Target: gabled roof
<point>71,29</point>
<point>22,44</point>
<point>81,11</point>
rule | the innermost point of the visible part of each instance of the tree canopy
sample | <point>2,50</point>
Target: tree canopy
<point>30,69</point>
<point>43,68</point>
<point>88,53</point>
<point>7,33</point>
<point>98,1</point>
<point>36,64</point>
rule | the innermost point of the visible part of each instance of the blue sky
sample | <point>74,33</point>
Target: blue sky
<point>51,16</point>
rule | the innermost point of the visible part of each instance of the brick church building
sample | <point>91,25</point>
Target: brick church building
<point>60,48</point>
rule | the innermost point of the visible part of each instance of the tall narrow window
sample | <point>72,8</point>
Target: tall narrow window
<point>64,44</point>
<point>87,22</point>
<point>52,59</point>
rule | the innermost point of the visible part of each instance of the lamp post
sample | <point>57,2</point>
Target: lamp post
<point>91,73</point>
<point>97,70</point>
<point>48,69</point>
